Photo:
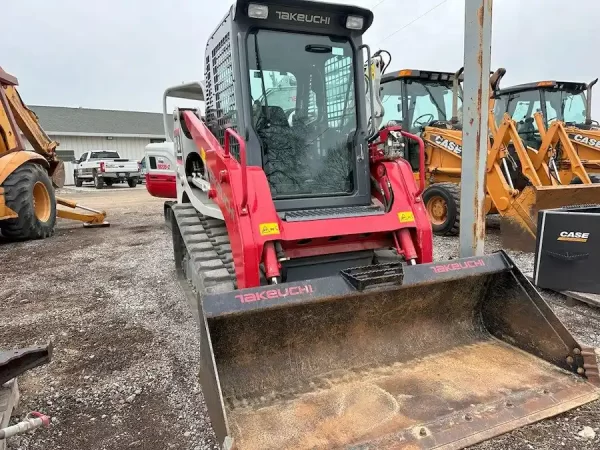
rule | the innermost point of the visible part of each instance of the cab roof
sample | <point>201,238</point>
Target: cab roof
<point>430,75</point>
<point>310,6</point>
<point>548,84</point>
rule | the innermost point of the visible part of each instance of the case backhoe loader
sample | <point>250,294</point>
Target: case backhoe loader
<point>28,205</point>
<point>520,181</point>
<point>304,247</point>
<point>542,105</point>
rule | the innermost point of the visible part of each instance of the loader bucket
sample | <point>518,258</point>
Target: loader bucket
<point>439,355</point>
<point>519,223</point>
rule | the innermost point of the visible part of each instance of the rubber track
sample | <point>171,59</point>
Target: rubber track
<point>208,251</point>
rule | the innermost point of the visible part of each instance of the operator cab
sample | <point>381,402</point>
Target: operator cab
<point>416,99</point>
<point>556,100</point>
<point>289,79</point>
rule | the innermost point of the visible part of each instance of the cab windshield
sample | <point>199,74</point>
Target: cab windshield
<point>426,101</point>
<point>521,107</point>
<point>567,106</point>
<point>302,91</point>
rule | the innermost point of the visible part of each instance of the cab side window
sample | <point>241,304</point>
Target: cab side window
<point>152,162</point>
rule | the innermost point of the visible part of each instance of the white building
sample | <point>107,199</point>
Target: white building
<point>78,130</point>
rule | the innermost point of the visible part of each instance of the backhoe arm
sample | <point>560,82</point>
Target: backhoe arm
<point>10,139</point>
<point>29,125</point>
<point>16,118</point>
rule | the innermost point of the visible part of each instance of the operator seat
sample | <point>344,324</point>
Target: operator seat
<point>527,132</point>
<point>284,150</point>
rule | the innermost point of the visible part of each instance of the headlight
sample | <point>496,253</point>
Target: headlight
<point>355,22</point>
<point>256,11</point>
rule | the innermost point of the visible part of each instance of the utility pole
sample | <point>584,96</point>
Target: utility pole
<point>478,48</point>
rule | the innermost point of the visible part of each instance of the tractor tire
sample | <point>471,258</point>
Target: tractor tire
<point>442,201</point>
<point>28,191</point>
<point>593,179</point>
<point>78,181</point>
<point>109,182</point>
<point>132,182</point>
<point>98,181</point>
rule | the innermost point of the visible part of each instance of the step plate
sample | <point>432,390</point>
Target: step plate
<point>332,213</point>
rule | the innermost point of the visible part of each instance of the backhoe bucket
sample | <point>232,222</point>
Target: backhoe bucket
<point>519,225</point>
<point>439,355</point>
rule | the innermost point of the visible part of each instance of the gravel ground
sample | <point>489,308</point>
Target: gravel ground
<point>124,369</point>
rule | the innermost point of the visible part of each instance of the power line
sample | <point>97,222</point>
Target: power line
<point>412,21</point>
<point>377,4</point>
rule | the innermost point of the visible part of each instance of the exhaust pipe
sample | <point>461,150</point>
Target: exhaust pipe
<point>588,109</point>
<point>496,77</point>
<point>455,88</point>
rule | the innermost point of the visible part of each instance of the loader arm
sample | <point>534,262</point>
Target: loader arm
<point>503,135</point>
<point>556,136</point>
<point>519,208</point>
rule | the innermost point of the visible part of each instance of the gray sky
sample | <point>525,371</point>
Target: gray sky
<point>121,54</point>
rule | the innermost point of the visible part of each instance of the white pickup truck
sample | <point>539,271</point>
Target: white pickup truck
<point>105,167</point>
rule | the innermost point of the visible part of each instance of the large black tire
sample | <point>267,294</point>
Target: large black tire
<point>28,191</point>
<point>132,182</point>
<point>78,181</point>
<point>593,179</point>
<point>98,181</point>
<point>109,182</point>
<point>444,221</point>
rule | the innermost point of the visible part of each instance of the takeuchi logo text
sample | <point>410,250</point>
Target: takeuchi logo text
<point>462,265</point>
<point>272,294</point>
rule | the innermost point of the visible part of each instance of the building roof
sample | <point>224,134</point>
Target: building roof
<point>58,120</point>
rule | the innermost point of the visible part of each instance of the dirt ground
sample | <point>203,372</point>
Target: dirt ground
<point>124,369</point>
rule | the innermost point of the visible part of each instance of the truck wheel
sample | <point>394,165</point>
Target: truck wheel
<point>28,191</point>
<point>108,182</point>
<point>442,201</point>
<point>98,181</point>
<point>593,179</point>
<point>132,182</point>
<point>78,181</point>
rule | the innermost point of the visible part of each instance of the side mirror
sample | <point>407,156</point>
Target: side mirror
<point>75,161</point>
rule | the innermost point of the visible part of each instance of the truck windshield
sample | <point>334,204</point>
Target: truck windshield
<point>304,113</point>
<point>104,155</point>
<point>426,102</point>
<point>569,106</point>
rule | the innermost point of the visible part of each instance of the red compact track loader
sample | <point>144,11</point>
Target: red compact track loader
<point>302,242</point>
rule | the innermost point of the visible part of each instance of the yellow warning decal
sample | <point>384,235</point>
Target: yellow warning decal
<point>268,229</point>
<point>406,216</point>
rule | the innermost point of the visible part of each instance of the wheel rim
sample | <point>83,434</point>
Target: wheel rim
<point>41,201</point>
<point>437,209</point>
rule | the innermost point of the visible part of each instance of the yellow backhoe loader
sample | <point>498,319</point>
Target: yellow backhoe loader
<point>541,105</point>
<point>28,204</point>
<point>520,181</point>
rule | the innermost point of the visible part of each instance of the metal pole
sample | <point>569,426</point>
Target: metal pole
<point>478,43</point>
